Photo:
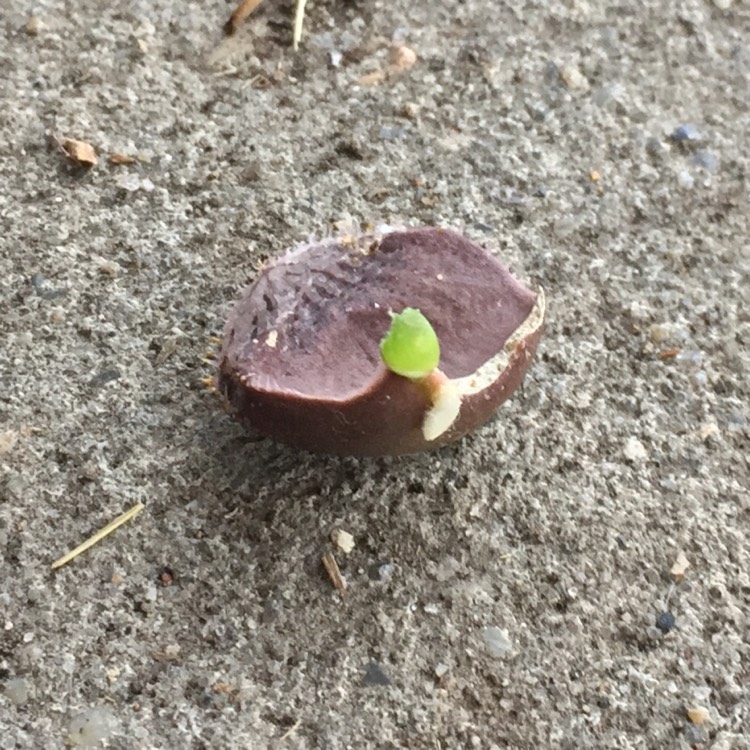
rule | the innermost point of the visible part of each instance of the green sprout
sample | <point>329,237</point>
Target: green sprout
<point>411,347</point>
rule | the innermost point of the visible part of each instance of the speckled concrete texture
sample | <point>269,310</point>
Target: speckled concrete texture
<point>503,592</point>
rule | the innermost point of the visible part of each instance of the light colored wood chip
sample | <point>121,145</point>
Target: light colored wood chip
<point>332,568</point>
<point>80,152</point>
<point>117,158</point>
<point>698,715</point>
<point>91,541</point>
<point>343,540</point>
<point>681,564</point>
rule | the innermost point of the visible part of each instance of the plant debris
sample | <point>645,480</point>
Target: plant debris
<point>698,715</point>
<point>117,158</point>
<point>91,541</point>
<point>246,7</point>
<point>343,540</point>
<point>332,568</point>
<point>79,152</point>
<point>239,14</point>
<point>681,564</point>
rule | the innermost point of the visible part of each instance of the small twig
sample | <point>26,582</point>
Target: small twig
<point>241,12</point>
<point>289,732</point>
<point>299,18</point>
<point>91,541</point>
<point>332,568</point>
<point>246,7</point>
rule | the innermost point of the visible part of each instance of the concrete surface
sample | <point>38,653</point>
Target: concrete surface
<point>503,592</point>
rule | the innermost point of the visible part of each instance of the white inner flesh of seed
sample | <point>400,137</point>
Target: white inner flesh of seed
<point>447,405</point>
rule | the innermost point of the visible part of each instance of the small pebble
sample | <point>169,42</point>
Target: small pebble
<point>129,181</point>
<point>410,110</point>
<point>685,179</point>
<point>659,333</point>
<point>381,571</point>
<point>635,451</point>
<point>695,735</point>
<point>91,727</point>
<point>33,26</point>
<point>705,159</point>
<point>497,640</point>
<point>17,690</point>
<point>573,79</point>
<point>665,622</point>
<point>685,133</point>
<point>401,57</point>
<point>132,182</point>
<point>654,147</point>
<point>392,133</point>
<point>375,675</point>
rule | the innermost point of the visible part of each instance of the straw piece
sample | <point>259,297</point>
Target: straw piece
<point>91,541</point>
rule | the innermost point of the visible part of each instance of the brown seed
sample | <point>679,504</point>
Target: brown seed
<point>323,386</point>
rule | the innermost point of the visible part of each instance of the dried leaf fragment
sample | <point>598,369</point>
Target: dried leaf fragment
<point>117,158</point>
<point>698,715</point>
<point>332,568</point>
<point>670,353</point>
<point>681,564</point>
<point>371,79</point>
<point>80,152</point>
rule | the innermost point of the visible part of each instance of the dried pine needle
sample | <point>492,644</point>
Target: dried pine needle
<point>299,19</point>
<point>246,7</point>
<point>289,732</point>
<point>91,541</point>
